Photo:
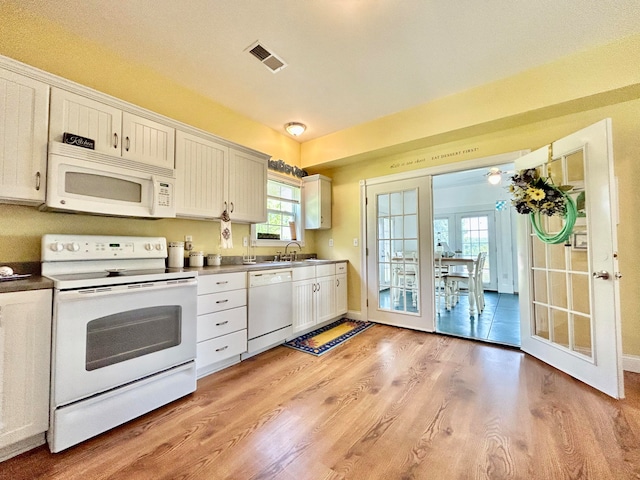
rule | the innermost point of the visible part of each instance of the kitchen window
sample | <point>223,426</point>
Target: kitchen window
<point>284,213</point>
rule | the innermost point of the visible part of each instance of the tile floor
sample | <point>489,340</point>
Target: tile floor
<point>498,323</point>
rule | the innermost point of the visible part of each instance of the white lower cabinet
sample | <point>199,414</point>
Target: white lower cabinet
<point>304,304</point>
<point>222,321</point>
<point>25,347</point>
<point>319,294</point>
<point>341,288</point>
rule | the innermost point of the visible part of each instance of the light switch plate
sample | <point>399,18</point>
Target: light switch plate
<point>331,242</point>
<point>355,242</point>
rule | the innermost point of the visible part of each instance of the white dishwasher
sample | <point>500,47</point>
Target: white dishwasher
<point>270,310</point>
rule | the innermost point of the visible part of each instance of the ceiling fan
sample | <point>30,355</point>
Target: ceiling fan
<point>494,175</point>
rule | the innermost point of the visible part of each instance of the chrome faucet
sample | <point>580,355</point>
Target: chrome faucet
<point>291,256</point>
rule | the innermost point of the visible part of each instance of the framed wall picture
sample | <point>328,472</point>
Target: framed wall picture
<point>580,241</point>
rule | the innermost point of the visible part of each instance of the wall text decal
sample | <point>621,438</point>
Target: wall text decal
<point>280,166</point>
<point>419,160</point>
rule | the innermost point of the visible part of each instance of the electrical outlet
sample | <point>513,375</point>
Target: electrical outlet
<point>355,242</point>
<point>331,242</point>
<point>188,243</point>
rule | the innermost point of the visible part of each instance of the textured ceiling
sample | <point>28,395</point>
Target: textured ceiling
<point>349,61</point>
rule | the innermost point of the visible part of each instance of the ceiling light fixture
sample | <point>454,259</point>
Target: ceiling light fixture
<point>295,128</point>
<point>494,177</point>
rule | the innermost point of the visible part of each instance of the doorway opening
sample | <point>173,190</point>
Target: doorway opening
<point>472,216</point>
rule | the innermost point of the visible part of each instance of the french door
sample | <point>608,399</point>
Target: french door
<point>400,253</point>
<point>570,315</point>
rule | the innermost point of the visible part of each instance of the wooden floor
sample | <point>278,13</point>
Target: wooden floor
<point>389,404</point>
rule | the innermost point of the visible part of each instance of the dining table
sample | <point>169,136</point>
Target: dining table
<point>470,265</point>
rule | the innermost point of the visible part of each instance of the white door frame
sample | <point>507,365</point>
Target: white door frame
<point>490,161</point>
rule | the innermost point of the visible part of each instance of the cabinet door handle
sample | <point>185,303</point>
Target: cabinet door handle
<point>222,301</point>
<point>318,287</point>
<point>222,283</point>
<point>231,207</point>
<point>222,323</point>
<point>37,181</point>
<point>128,144</point>
<point>222,348</point>
<point>313,288</point>
<point>115,140</point>
<point>337,282</point>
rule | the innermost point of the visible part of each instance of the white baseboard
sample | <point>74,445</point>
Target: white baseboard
<point>631,363</point>
<point>353,315</point>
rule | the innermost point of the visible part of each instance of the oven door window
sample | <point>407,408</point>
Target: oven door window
<point>123,336</point>
<point>103,186</point>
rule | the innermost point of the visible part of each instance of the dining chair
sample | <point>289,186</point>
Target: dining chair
<point>455,280</point>
<point>405,275</point>
<point>440,271</point>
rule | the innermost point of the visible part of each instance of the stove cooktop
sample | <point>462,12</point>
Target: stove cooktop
<point>114,276</point>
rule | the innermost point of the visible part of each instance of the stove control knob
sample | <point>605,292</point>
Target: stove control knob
<point>73,247</point>
<point>148,246</point>
<point>56,247</point>
<point>158,246</point>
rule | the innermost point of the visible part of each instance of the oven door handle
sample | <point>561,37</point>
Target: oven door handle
<point>93,292</point>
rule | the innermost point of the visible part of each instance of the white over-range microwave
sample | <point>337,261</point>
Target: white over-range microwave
<point>82,180</point>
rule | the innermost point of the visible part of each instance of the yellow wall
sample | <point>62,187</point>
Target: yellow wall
<point>521,112</point>
<point>41,44</point>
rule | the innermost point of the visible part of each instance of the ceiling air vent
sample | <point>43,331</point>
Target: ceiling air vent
<point>267,58</point>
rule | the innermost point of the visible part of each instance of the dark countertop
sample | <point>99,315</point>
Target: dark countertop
<point>210,270</point>
<point>34,282</point>
<point>37,282</point>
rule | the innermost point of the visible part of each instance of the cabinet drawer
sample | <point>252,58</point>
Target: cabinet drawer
<point>216,324</point>
<point>221,348</point>
<point>216,302</point>
<point>221,282</point>
<point>303,273</point>
<point>325,270</point>
<point>341,268</point>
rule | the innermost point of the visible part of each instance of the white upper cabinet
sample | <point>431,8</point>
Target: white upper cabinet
<point>71,113</point>
<point>212,177</point>
<point>24,107</point>
<point>317,202</point>
<point>247,187</point>
<point>147,141</point>
<point>200,171</point>
<point>114,131</point>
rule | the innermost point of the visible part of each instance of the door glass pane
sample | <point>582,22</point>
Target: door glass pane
<point>580,293</point>
<point>398,257</point>
<point>557,256</point>
<point>540,286</point>
<point>539,255</point>
<point>541,319</point>
<point>560,322</point>
<point>582,335</point>
<point>558,289</point>
<point>579,260</point>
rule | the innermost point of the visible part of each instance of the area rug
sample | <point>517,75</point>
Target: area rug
<point>330,336</point>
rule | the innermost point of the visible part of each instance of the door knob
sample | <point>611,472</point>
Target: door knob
<point>601,274</point>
